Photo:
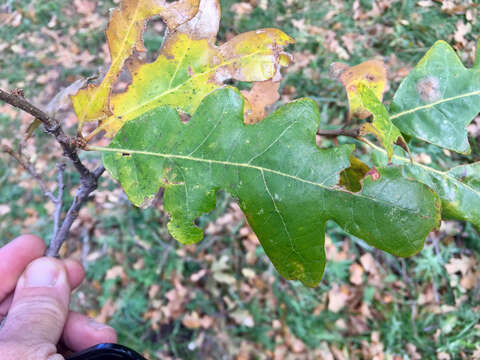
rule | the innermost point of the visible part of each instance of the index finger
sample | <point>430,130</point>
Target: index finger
<point>14,258</point>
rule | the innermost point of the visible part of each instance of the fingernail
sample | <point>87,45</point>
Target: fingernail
<point>41,273</point>
<point>97,325</point>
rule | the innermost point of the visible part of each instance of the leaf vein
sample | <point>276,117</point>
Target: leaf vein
<point>433,104</point>
<point>277,210</point>
<point>274,141</point>
<point>233,164</point>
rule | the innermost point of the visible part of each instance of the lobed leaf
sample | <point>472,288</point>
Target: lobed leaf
<point>124,35</point>
<point>190,66</point>
<point>381,127</point>
<point>438,99</point>
<point>458,188</point>
<point>284,183</point>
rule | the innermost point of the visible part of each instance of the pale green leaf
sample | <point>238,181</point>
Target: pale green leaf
<point>438,99</point>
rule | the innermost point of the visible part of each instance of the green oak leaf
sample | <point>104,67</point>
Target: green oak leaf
<point>381,127</point>
<point>284,184</point>
<point>458,188</point>
<point>438,99</point>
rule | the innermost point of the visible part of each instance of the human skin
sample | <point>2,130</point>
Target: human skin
<point>35,293</point>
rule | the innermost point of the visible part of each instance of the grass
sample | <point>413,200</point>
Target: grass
<point>152,289</point>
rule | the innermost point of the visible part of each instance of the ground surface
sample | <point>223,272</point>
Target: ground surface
<point>222,299</point>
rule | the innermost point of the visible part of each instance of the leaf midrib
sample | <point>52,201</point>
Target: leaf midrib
<point>243,165</point>
<point>433,104</point>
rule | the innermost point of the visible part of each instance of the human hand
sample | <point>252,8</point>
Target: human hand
<point>35,292</point>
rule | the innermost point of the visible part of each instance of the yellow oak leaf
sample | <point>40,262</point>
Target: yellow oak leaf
<point>124,35</point>
<point>190,66</point>
<point>372,74</point>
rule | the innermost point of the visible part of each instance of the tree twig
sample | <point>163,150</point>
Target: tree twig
<point>88,185</point>
<point>355,133</point>
<point>57,216</point>
<point>58,199</point>
<point>88,179</point>
<point>28,166</point>
<point>52,127</point>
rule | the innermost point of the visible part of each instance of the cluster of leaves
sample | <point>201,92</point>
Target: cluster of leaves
<point>287,187</point>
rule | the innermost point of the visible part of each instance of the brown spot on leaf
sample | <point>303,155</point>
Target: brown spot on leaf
<point>184,117</point>
<point>428,89</point>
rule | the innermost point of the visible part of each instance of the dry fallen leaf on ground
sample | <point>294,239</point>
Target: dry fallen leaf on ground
<point>337,298</point>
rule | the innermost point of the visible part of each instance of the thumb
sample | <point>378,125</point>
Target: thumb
<point>40,305</point>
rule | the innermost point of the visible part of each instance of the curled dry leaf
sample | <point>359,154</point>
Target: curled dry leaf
<point>369,264</point>
<point>124,35</point>
<point>242,8</point>
<point>116,272</point>
<point>56,103</point>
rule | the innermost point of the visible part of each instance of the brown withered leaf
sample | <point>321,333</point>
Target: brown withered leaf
<point>356,274</point>
<point>55,104</point>
<point>194,321</point>
<point>262,95</point>
<point>337,298</point>
<point>242,317</point>
<point>463,265</point>
<point>84,7</point>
